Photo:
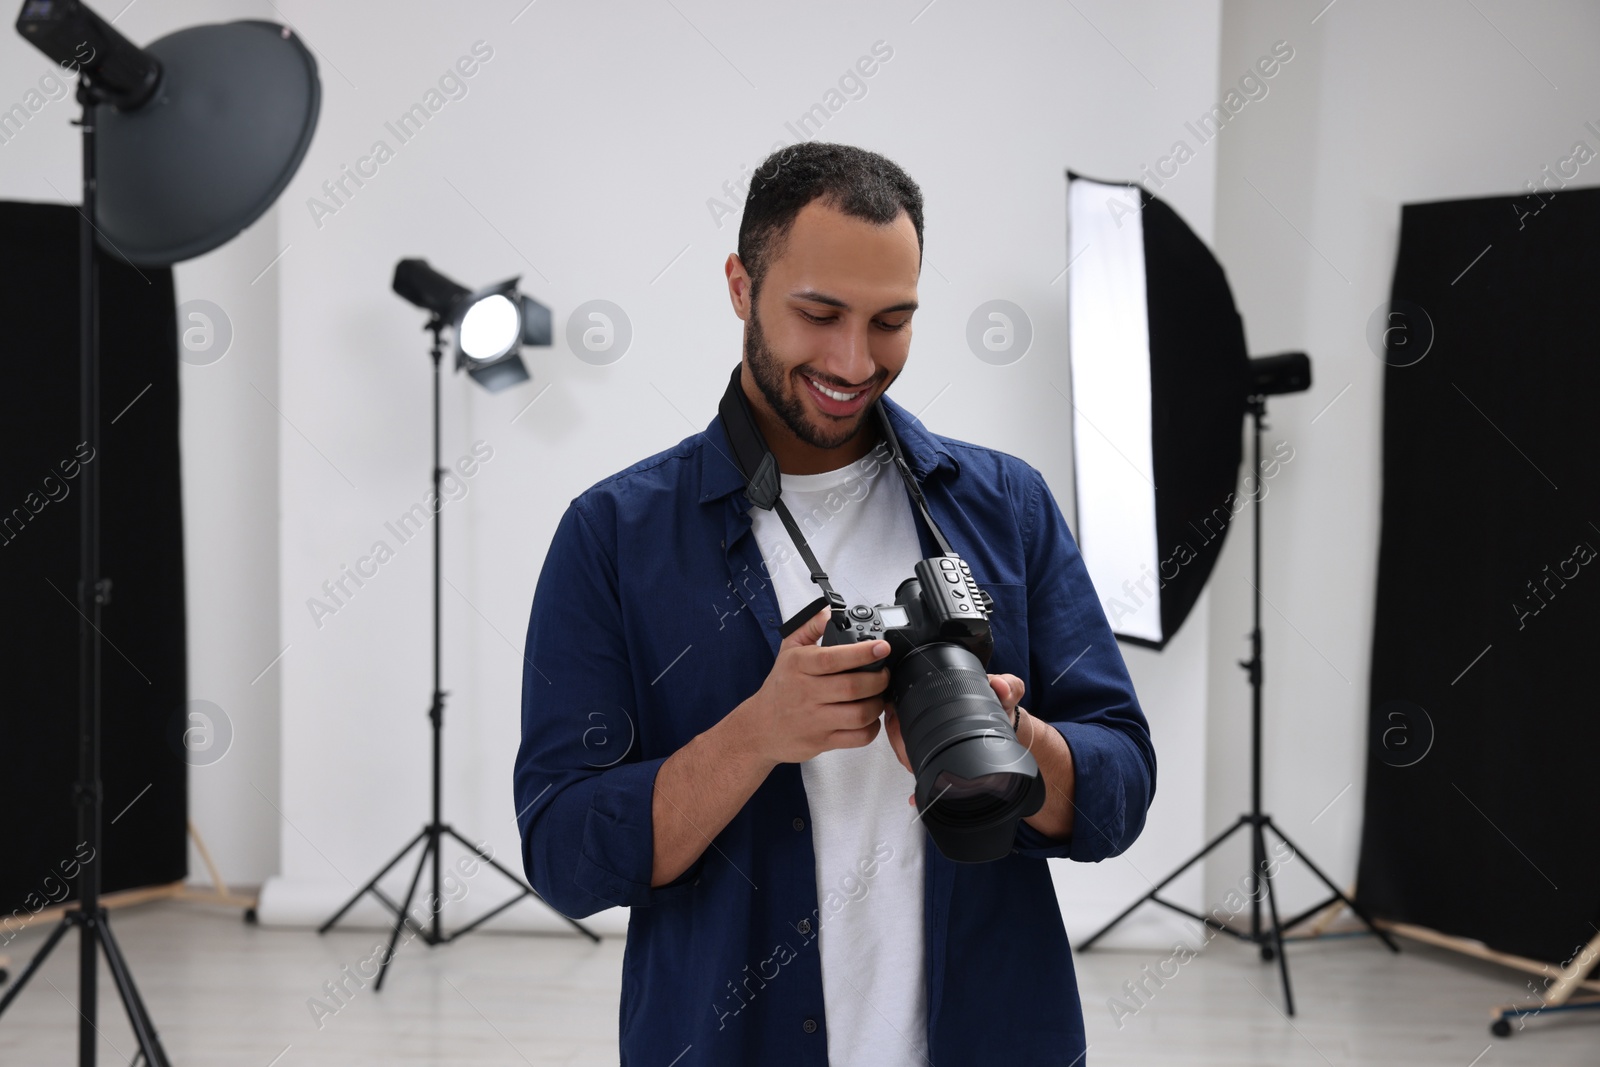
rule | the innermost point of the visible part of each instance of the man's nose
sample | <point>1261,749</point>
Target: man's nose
<point>850,356</point>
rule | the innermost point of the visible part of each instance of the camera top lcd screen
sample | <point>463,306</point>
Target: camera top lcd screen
<point>894,617</point>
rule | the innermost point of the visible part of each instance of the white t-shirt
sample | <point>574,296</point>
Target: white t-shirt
<point>859,522</point>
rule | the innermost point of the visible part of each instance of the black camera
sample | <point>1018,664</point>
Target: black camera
<point>974,780</point>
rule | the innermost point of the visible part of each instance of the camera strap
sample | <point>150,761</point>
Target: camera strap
<point>764,488</point>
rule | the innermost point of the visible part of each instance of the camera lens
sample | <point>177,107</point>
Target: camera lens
<point>980,795</point>
<point>974,780</point>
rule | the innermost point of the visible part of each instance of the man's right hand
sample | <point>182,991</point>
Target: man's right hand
<point>807,705</point>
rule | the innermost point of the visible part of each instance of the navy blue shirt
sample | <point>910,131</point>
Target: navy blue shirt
<point>653,619</point>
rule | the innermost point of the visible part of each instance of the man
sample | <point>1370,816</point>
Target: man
<point>746,793</point>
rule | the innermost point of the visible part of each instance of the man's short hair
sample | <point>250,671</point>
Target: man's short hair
<point>857,182</point>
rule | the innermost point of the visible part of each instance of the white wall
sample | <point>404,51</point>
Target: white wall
<point>582,158</point>
<point>1382,104</point>
<point>229,440</point>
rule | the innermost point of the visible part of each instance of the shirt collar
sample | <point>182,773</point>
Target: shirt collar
<point>924,453</point>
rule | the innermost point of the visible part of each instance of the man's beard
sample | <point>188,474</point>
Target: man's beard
<point>771,380</point>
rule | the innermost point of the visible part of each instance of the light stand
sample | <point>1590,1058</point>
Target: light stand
<point>1270,939</point>
<point>432,835</point>
<point>178,180</point>
<point>89,915</point>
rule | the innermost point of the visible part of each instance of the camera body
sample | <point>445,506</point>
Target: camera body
<point>941,603</point>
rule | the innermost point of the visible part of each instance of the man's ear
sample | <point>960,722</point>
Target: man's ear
<point>738,286</point>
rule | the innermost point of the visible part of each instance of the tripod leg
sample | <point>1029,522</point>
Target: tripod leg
<point>359,893</point>
<point>527,890</point>
<point>411,924</point>
<point>39,957</point>
<point>143,1029</point>
<point>405,912</point>
<point>1382,935</point>
<point>1190,862</point>
<point>1277,932</point>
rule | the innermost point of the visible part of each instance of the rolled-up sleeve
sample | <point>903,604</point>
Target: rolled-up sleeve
<point>582,792</point>
<point>1089,697</point>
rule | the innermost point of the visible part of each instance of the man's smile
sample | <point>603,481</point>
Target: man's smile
<point>835,401</point>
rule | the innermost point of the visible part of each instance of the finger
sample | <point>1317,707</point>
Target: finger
<point>809,633</point>
<point>851,715</point>
<point>1010,694</point>
<point>836,658</point>
<point>850,685</point>
<point>858,738</point>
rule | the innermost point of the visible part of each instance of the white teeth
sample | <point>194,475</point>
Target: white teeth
<point>825,391</point>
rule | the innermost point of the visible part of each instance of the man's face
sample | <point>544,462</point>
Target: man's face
<point>834,313</point>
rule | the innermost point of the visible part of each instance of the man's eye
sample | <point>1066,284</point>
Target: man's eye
<point>814,318</point>
<point>895,325</point>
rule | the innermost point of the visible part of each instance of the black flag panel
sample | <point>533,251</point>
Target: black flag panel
<point>143,657</point>
<point>1485,705</point>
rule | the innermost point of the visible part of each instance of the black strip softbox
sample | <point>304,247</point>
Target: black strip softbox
<point>1160,379</point>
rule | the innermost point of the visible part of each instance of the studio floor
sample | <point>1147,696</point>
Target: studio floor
<point>225,994</point>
